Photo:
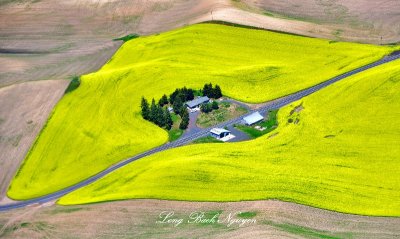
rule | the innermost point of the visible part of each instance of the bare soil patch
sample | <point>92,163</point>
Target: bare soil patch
<point>226,111</point>
<point>362,19</point>
<point>57,39</point>
<point>24,109</point>
<point>137,219</point>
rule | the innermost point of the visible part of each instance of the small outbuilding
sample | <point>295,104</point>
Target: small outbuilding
<point>253,118</point>
<point>197,102</point>
<point>219,133</point>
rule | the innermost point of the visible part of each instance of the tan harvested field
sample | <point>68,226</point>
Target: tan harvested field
<point>137,219</point>
<point>24,109</point>
<point>57,39</point>
<point>356,19</point>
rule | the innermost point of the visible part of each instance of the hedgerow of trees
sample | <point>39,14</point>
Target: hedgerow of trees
<point>185,120</point>
<point>156,114</point>
<point>211,92</point>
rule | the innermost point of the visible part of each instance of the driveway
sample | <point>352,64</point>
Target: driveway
<point>239,135</point>
<point>192,127</point>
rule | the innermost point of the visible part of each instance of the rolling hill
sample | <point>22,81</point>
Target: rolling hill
<point>99,123</point>
<point>335,149</point>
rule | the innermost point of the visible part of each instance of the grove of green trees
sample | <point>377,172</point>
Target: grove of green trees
<point>159,114</point>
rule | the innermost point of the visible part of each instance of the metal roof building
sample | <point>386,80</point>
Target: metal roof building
<point>219,132</point>
<point>196,102</point>
<point>253,118</point>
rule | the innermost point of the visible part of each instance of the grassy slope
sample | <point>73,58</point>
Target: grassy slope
<point>99,124</point>
<point>355,170</point>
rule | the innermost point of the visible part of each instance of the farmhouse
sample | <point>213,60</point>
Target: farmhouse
<point>253,118</point>
<point>196,102</point>
<point>219,133</point>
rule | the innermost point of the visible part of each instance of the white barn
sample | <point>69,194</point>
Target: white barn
<point>219,133</point>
